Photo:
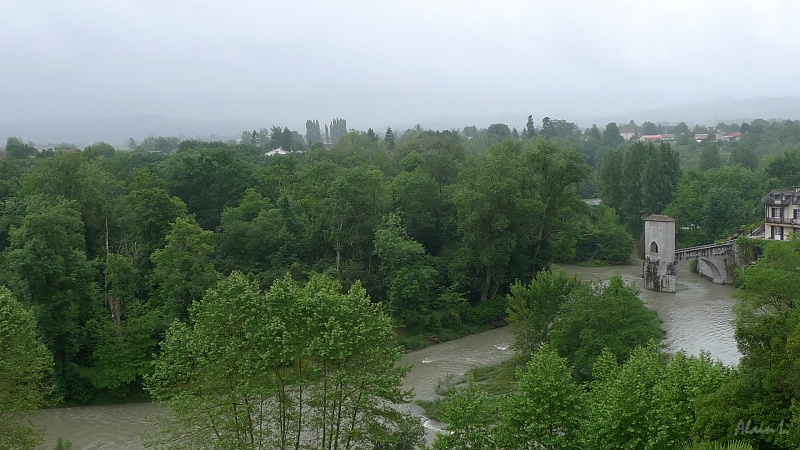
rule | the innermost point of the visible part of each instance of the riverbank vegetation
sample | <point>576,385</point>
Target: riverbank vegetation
<point>110,251</point>
<point>640,397</point>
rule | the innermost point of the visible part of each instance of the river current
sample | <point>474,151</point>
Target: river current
<point>697,317</point>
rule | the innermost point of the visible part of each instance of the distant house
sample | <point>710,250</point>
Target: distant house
<point>732,137</point>
<point>700,137</point>
<point>276,151</point>
<point>781,213</point>
<point>667,137</point>
<point>627,135</point>
<point>651,137</point>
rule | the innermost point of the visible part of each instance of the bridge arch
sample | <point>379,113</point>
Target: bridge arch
<point>716,274</point>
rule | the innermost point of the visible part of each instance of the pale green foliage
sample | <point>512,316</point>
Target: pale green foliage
<point>25,369</point>
<point>471,421</point>
<point>546,409</point>
<point>732,445</point>
<point>647,402</point>
<point>297,367</point>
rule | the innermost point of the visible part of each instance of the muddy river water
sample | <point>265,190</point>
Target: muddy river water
<point>697,317</point>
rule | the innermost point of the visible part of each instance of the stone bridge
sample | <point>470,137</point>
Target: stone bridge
<point>715,262</point>
<point>660,265</point>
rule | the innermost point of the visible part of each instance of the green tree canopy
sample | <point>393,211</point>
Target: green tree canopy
<point>297,367</point>
<point>25,370</point>
<point>598,317</point>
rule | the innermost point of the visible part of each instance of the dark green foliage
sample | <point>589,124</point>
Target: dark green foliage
<point>713,204</point>
<point>639,181</point>
<point>603,239</point>
<point>598,317</point>
<point>52,275</point>
<point>762,391</point>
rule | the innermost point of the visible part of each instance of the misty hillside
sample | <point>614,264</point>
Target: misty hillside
<point>116,131</point>
<point>712,112</point>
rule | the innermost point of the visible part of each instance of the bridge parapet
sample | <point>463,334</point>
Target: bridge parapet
<point>714,261</point>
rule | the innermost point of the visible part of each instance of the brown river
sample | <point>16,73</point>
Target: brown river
<point>697,317</point>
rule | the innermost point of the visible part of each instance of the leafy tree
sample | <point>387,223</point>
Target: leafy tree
<point>123,341</point>
<point>338,129</point>
<point>100,149</point>
<point>408,276</point>
<point>639,182</point>
<point>742,155</point>
<point>609,179</point>
<point>415,196</point>
<point>313,134</point>
<point>470,131</point>
<point>547,130</point>
<point>763,389</point>
<point>710,158</point>
<point>649,128</point>
<point>74,177</point>
<point>17,149</point>
<point>713,204</point>
<point>389,139</point>
<point>599,317</point>
<point>786,168</point>
<point>161,144</point>
<point>470,419</point>
<point>489,208</point>
<point>208,178</point>
<point>498,132</point>
<point>51,273</point>
<point>545,409</point>
<point>682,134</point>
<point>258,237</point>
<point>603,239</point>
<point>552,173</point>
<point>25,370</point>
<point>183,268</point>
<point>299,367</point>
<point>647,402</point>
<point>611,135</point>
<point>532,309</point>
<point>530,129</point>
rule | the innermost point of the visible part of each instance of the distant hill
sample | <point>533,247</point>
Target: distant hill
<point>708,113</point>
<point>117,131</point>
<point>711,112</point>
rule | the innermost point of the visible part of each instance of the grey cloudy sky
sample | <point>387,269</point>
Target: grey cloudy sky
<point>382,62</point>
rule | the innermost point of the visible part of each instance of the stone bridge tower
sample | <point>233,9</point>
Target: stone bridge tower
<point>659,265</point>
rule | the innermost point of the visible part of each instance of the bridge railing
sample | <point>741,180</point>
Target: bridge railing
<point>680,253</point>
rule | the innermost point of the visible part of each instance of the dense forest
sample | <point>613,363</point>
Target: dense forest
<point>108,253</point>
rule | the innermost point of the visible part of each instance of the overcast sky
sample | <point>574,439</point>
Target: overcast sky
<point>381,62</point>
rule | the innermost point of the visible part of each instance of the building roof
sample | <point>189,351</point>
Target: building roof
<point>782,197</point>
<point>659,218</point>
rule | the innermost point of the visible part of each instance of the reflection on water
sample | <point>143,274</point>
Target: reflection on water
<point>697,317</point>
